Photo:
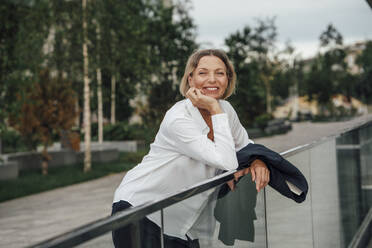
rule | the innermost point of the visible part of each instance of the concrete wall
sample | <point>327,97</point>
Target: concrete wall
<point>8,170</point>
<point>32,160</point>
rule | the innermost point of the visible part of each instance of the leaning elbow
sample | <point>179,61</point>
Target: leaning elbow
<point>230,164</point>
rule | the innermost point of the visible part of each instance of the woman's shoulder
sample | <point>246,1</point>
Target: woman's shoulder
<point>226,106</point>
<point>178,110</point>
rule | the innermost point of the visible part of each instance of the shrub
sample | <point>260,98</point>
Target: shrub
<point>262,120</point>
<point>12,141</point>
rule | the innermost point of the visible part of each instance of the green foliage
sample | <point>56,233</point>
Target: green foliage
<point>364,83</point>
<point>133,157</point>
<point>12,141</point>
<point>330,37</point>
<point>171,42</point>
<point>262,120</point>
<point>124,131</point>
<point>329,75</point>
<point>252,52</point>
<point>121,131</point>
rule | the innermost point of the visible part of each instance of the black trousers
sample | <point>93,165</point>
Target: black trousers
<point>148,231</point>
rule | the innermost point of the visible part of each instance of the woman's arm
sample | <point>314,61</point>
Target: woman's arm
<point>259,170</point>
<point>239,133</point>
<point>188,139</point>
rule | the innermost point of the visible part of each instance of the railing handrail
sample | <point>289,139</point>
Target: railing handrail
<point>101,226</point>
<point>323,139</point>
<point>363,236</point>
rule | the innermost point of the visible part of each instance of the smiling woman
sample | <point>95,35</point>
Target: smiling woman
<point>197,140</point>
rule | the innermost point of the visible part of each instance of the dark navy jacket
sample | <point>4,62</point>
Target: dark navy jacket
<point>231,207</point>
<point>281,170</point>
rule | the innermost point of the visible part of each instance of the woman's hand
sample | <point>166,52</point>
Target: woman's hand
<point>203,102</point>
<point>260,174</point>
<point>237,175</point>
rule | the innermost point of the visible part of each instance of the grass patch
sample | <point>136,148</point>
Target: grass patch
<point>31,182</point>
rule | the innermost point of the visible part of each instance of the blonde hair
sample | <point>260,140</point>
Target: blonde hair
<point>193,62</point>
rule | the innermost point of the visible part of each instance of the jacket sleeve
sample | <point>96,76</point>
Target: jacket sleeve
<point>281,170</point>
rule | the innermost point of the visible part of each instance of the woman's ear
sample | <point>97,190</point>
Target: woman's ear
<point>189,80</point>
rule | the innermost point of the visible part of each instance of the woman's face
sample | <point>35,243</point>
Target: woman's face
<point>210,77</point>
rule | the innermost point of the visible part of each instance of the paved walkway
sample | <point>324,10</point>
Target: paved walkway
<point>28,220</point>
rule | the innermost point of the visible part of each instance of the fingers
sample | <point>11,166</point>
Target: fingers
<point>191,94</point>
<point>260,174</point>
<point>238,174</point>
<point>231,184</point>
<point>194,95</point>
<point>258,179</point>
<point>253,174</point>
<point>202,101</point>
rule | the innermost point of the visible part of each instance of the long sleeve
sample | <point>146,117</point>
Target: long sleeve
<point>238,132</point>
<point>189,140</point>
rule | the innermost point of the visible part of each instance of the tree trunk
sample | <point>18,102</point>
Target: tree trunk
<point>100,109</point>
<point>295,106</point>
<point>87,134</point>
<point>44,160</point>
<point>77,109</point>
<point>266,82</point>
<point>99,90</point>
<point>113,89</point>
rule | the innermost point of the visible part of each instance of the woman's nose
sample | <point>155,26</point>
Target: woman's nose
<point>212,77</point>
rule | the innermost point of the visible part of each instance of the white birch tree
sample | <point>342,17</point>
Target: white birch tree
<point>87,124</point>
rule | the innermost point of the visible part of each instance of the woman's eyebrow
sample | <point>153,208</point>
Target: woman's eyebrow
<point>202,68</point>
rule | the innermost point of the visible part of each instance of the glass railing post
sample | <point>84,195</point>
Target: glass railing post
<point>265,216</point>
<point>136,235</point>
<point>162,229</point>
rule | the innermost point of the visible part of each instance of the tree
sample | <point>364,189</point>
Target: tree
<point>171,41</point>
<point>99,89</point>
<point>364,83</point>
<point>47,108</point>
<point>330,37</point>
<point>328,71</point>
<point>253,54</point>
<point>124,54</point>
<point>87,125</point>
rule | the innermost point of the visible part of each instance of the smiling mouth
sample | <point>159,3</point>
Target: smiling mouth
<point>210,89</point>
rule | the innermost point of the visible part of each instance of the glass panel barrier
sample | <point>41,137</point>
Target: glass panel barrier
<point>339,173</point>
<point>290,224</point>
<point>235,219</point>
<point>104,241</point>
<point>354,169</point>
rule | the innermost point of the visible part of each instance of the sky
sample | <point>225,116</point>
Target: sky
<point>298,21</point>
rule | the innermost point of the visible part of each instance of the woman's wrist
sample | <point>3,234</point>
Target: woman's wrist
<point>215,109</point>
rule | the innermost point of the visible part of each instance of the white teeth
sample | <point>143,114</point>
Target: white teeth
<point>212,88</point>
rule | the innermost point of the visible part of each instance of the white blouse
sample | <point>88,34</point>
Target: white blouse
<point>181,156</point>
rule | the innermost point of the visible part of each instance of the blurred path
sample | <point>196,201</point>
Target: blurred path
<point>307,132</point>
<point>34,218</point>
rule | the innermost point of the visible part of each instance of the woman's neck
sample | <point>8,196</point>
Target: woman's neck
<point>204,112</point>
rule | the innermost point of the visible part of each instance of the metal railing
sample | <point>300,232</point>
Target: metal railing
<point>94,229</point>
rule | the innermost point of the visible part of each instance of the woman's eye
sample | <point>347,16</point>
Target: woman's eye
<point>202,73</point>
<point>220,73</point>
